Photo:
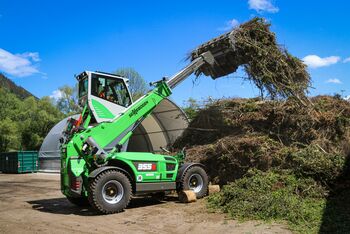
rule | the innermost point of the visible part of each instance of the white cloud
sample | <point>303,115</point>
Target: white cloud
<point>262,5</point>
<point>347,60</point>
<point>19,65</point>
<point>334,81</point>
<point>314,61</point>
<point>32,55</point>
<point>56,94</point>
<point>229,25</point>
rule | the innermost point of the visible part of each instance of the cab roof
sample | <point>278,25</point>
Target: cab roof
<point>82,75</point>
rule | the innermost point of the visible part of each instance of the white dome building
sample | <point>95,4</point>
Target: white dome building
<point>160,129</point>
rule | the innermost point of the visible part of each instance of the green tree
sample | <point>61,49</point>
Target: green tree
<point>9,137</point>
<point>37,121</point>
<point>9,105</point>
<point>137,85</point>
<point>25,123</point>
<point>67,103</point>
<point>191,108</point>
<point>49,114</point>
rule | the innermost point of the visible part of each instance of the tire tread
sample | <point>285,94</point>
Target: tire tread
<point>183,177</point>
<point>92,197</point>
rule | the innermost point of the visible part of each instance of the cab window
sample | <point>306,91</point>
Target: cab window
<point>110,89</point>
<point>83,87</point>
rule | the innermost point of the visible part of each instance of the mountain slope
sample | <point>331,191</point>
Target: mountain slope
<point>13,88</point>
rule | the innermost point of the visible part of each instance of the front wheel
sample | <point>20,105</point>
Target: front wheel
<point>110,192</point>
<point>195,179</point>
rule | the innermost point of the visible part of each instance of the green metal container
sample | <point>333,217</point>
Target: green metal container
<point>19,162</point>
<point>2,162</point>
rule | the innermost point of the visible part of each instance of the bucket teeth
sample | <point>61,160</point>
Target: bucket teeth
<point>223,50</point>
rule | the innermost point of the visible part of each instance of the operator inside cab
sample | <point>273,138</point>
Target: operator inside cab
<point>110,89</point>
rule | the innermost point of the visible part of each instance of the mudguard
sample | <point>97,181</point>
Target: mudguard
<point>99,170</point>
<point>184,167</point>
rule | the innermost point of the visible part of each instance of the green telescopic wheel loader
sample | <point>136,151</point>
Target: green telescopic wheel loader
<point>95,167</point>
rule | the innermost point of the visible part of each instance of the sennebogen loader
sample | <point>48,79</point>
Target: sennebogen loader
<point>107,179</point>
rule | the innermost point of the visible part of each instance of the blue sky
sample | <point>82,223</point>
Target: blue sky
<point>44,43</point>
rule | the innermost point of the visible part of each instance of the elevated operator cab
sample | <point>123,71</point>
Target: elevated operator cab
<point>107,94</point>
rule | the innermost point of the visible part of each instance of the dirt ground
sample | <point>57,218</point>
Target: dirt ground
<point>33,203</point>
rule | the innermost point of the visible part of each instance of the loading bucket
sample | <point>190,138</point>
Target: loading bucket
<point>223,50</point>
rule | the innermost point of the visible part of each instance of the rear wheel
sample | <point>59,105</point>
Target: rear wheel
<point>79,201</point>
<point>110,192</point>
<point>195,179</point>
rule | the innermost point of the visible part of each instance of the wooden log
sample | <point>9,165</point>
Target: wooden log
<point>187,196</point>
<point>214,189</point>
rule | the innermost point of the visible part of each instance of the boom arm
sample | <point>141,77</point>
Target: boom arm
<point>121,127</point>
<point>206,57</point>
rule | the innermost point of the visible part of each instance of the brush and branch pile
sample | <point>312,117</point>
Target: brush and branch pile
<point>234,135</point>
<point>274,158</point>
<point>268,65</point>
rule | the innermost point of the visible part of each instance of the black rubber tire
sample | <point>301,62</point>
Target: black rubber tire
<point>187,175</point>
<point>95,192</point>
<point>79,201</point>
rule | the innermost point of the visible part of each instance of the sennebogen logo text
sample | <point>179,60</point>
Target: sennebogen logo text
<point>137,109</point>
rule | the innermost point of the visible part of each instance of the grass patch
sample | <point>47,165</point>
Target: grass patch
<point>273,196</point>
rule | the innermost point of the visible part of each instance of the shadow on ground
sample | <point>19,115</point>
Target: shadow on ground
<point>60,206</point>
<point>336,216</point>
<point>63,206</point>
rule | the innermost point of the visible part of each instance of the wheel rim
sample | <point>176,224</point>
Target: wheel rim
<point>112,192</point>
<point>195,183</point>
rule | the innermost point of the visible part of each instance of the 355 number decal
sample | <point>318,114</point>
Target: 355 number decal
<point>146,166</point>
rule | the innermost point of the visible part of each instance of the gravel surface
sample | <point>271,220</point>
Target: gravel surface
<point>33,203</point>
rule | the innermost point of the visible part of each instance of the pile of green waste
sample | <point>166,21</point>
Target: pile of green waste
<point>274,159</point>
<point>268,65</point>
<point>231,136</point>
